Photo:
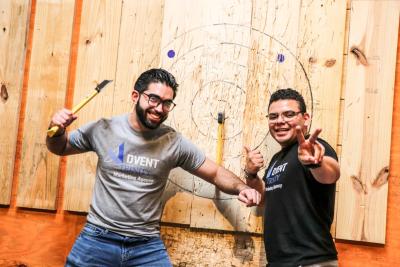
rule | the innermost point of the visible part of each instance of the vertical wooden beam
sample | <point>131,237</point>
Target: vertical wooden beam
<point>97,60</point>
<point>139,47</point>
<point>208,55</point>
<point>271,65</point>
<point>321,42</point>
<point>362,202</point>
<point>13,38</point>
<point>46,92</point>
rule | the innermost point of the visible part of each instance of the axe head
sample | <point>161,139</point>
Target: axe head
<point>102,85</point>
<point>221,117</point>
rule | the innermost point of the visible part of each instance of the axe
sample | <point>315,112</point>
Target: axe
<point>54,129</point>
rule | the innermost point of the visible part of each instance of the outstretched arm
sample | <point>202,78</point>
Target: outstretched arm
<point>325,169</point>
<point>227,182</point>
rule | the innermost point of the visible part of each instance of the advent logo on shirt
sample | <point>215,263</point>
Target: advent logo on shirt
<point>135,164</point>
<point>118,157</point>
<point>272,176</point>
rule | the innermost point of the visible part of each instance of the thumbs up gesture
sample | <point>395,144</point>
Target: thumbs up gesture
<point>254,160</point>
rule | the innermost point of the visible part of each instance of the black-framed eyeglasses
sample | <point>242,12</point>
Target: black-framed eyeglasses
<point>154,101</point>
<point>286,115</point>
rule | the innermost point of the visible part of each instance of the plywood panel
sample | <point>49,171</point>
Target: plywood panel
<point>97,57</point>
<point>190,247</point>
<point>139,47</point>
<point>208,55</point>
<point>367,121</point>
<point>266,59</point>
<point>321,42</point>
<point>321,47</point>
<point>46,92</point>
<point>271,65</point>
<point>141,24</point>
<point>353,254</point>
<point>13,24</point>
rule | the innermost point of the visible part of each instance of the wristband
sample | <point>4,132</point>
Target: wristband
<point>312,166</point>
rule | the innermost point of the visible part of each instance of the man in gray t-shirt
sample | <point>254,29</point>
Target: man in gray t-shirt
<point>136,152</point>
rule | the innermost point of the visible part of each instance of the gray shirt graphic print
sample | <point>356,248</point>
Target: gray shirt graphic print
<point>132,171</point>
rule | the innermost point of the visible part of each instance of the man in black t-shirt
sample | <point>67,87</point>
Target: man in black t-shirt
<point>298,187</point>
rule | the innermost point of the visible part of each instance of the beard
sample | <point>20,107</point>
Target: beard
<point>142,115</point>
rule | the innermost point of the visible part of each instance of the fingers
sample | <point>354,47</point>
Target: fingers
<point>246,149</point>
<point>317,153</point>
<point>314,135</point>
<point>300,135</point>
<point>250,197</point>
<point>63,118</point>
<point>257,159</point>
<point>254,160</point>
<point>322,151</point>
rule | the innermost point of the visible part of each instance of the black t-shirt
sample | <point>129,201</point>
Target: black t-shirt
<point>298,211</point>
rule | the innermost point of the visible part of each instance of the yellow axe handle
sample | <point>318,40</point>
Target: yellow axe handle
<point>54,129</point>
<point>220,137</point>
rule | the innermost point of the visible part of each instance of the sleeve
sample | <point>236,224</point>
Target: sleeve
<point>329,151</point>
<point>190,157</point>
<point>82,138</point>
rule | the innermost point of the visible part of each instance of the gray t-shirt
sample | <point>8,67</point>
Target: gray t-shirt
<point>132,171</point>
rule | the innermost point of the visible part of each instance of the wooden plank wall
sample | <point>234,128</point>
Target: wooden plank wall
<point>212,76</point>
<point>13,38</point>
<point>243,86</point>
<point>46,92</point>
<point>141,33</point>
<point>97,57</point>
<point>368,104</point>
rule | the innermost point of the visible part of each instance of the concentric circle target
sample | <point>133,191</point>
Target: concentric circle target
<point>214,65</point>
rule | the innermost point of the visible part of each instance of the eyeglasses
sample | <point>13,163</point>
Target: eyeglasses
<point>155,101</point>
<point>286,115</point>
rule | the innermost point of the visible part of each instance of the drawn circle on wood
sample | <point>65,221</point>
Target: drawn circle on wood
<point>212,107</point>
<point>221,85</point>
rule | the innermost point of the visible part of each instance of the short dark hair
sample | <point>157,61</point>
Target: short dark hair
<point>155,76</point>
<point>288,93</point>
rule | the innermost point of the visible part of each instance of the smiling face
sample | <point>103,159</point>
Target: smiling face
<point>145,116</point>
<point>283,128</point>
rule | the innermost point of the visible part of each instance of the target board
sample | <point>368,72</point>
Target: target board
<point>212,64</point>
<point>208,89</point>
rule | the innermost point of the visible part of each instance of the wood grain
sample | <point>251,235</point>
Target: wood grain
<point>361,213</point>
<point>353,254</point>
<point>97,61</point>
<point>320,49</point>
<point>138,49</point>
<point>47,84</point>
<point>266,74</point>
<point>210,64</point>
<point>13,37</point>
